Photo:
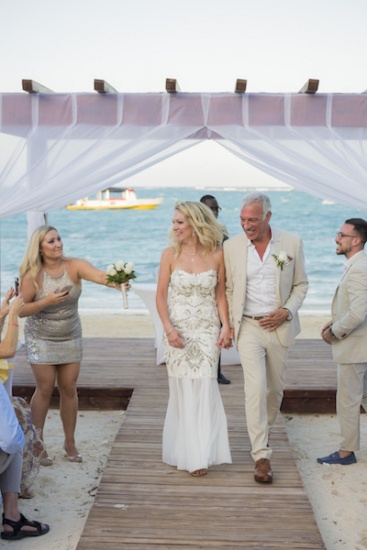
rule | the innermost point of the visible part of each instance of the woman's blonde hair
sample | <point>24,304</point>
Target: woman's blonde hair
<point>32,260</point>
<point>208,230</point>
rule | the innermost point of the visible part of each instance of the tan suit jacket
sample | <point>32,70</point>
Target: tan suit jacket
<point>291,282</point>
<point>349,313</point>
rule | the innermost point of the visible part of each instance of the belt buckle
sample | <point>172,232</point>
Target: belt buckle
<point>254,318</point>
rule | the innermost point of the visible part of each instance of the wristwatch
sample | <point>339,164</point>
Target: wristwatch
<point>290,316</point>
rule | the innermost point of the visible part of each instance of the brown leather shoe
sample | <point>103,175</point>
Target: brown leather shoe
<point>263,473</point>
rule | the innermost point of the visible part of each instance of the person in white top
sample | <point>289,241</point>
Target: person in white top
<point>15,525</point>
<point>266,284</point>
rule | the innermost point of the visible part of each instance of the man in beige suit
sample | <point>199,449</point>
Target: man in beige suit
<point>347,334</point>
<point>266,285</point>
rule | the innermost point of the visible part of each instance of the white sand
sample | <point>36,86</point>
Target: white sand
<point>338,494</point>
<point>64,493</point>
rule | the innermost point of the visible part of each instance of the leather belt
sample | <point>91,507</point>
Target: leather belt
<point>254,318</point>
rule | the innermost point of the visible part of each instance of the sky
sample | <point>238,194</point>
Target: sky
<point>205,44</point>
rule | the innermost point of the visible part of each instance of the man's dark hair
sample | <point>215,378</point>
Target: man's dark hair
<point>207,198</point>
<point>360,227</point>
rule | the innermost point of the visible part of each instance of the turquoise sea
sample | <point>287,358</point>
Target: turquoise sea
<point>104,237</point>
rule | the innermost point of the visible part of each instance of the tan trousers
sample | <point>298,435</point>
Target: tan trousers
<point>351,394</point>
<point>263,360</point>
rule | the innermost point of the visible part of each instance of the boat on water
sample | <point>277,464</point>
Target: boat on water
<point>115,198</point>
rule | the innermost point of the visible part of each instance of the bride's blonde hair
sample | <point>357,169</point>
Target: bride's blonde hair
<point>208,230</point>
<point>33,260</point>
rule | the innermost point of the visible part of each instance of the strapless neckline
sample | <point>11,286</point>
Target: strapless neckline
<point>189,273</point>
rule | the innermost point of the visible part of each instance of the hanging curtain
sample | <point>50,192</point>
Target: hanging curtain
<point>316,144</point>
<point>57,148</point>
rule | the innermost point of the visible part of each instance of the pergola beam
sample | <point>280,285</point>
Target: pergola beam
<point>241,85</point>
<point>172,86</point>
<point>103,87</point>
<point>33,87</point>
<point>310,87</point>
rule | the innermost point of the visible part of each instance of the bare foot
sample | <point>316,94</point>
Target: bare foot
<point>45,460</point>
<point>199,473</point>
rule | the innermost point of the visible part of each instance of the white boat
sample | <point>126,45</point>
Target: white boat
<point>107,200</point>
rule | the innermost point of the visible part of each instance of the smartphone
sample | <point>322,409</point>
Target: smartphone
<point>16,285</point>
<point>66,288</point>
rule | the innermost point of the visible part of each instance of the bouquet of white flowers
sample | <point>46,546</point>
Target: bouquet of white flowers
<point>120,273</point>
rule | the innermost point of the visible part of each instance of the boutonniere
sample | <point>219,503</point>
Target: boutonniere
<point>282,259</point>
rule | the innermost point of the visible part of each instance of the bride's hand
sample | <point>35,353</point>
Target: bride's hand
<point>175,339</point>
<point>225,338</point>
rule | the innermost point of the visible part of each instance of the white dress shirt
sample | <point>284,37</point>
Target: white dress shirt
<point>261,282</point>
<point>11,434</point>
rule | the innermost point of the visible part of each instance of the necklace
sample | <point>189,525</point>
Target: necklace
<point>55,271</point>
<point>192,256</point>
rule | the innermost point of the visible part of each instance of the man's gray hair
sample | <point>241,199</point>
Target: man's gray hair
<point>258,197</point>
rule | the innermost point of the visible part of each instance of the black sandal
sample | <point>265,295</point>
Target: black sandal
<point>17,533</point>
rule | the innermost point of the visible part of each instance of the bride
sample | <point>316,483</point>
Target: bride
<point>195,434</point>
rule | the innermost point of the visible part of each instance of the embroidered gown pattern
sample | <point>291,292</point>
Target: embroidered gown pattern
<point>195,432</point>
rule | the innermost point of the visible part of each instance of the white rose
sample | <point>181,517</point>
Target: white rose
<point>282,256</point>
<point>119,265</point>
<point>129,268</point>
<point>111,270</point>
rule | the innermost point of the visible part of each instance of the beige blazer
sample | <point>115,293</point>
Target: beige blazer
<point>291,282</point>
<point>349,313</point>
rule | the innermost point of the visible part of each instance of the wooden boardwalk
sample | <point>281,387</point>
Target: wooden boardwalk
<point>111,370</point>
<point>142,503</point>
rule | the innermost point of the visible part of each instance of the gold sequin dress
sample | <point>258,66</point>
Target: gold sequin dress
<point>54,334</point>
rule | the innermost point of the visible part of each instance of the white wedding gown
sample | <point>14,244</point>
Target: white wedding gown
<point>195,433</point>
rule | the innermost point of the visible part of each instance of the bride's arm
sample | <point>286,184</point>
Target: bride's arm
<point>162,290</point>
<point>174,337</point>
<point>225,334</point>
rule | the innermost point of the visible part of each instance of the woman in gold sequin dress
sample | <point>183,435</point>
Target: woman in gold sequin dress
<point>51,287</point>
<point>195,434</point>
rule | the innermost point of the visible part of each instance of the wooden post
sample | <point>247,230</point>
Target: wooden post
<point>33,87</point>
<point>241,86</point>
<point>310,87</point>
<point>102,87</point>
<point>172,86</point>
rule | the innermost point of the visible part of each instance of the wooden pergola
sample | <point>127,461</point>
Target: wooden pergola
<point>102,87</point>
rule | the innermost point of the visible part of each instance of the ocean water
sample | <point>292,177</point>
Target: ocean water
<point>103,237</point>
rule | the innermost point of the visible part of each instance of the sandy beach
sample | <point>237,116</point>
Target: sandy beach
<point>64,492</point>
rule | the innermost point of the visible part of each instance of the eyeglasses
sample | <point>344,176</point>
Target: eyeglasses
<point>215,208</point>
<point>342,235</point>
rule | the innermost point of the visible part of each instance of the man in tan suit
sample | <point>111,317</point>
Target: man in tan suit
<point>347,334</point>
<point>266,285</point>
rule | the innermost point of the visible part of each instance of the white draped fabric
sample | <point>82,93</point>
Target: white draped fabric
<point>56,148</point>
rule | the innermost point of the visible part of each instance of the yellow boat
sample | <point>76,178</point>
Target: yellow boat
<point>106,201</point>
